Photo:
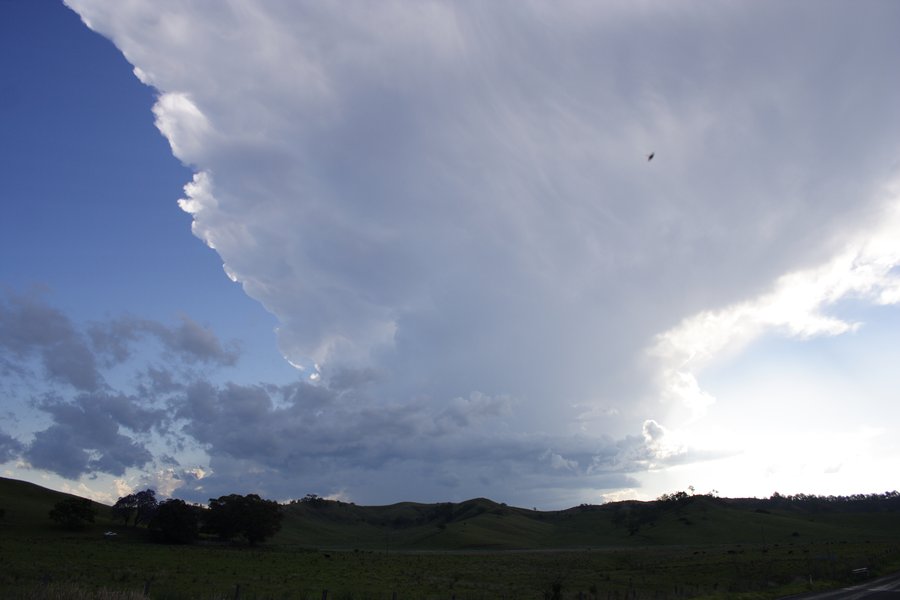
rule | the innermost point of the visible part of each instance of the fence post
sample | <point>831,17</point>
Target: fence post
<point>237,591</point>
<point>147,588</point>
<point>324,594</point>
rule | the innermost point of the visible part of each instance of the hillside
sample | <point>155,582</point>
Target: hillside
<point>678,547</point>
<point>26,505</point>
<point>481,524</point>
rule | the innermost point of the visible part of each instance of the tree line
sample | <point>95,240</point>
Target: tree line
<point>252,519</point>
<point>634,515</point>
<point>248,518</point>
<point>855,502</point>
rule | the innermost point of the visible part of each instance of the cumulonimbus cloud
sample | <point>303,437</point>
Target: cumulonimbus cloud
<point>454,198</point>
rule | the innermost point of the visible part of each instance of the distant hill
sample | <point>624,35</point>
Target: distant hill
<point>481,524</point>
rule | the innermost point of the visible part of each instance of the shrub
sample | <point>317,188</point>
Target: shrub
<point>73,513</point>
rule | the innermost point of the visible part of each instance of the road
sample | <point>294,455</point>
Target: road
<point>883,588</point>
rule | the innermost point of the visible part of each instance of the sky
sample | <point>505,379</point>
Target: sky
<point>417,251</point>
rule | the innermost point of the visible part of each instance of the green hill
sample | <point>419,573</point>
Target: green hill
<point>481,524</point>
<point>678,547</point>
<point>26,506</point>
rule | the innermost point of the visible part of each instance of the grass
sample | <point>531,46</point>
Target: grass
<point>278,572</point>
<point>74,592</point>
<point>706,548</point>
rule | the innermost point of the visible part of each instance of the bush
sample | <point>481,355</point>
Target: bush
<point>73,513</point>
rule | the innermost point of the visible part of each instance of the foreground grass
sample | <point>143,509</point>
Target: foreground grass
<point>95,568</point>
<point>73,592</point>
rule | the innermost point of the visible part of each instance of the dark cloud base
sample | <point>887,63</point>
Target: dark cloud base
<point>331,437</point>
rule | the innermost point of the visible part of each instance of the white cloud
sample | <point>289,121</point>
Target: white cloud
<point>557,461</point>
<point>455,197</point>
<point>795,307</point>
<point>186,128</point>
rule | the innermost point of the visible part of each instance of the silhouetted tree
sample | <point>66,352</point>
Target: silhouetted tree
<point>888,501</point>
<point>176,522</point>
<point>248,516</point>
<point>73,513</point>
<point>314,500</point>
<point>224,517</point>
<point>674,498</point>
<point>141,506</point>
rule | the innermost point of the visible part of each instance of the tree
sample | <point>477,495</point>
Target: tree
<point>248,516</point>
<point>176,522</point>
<point>73,513</point>
<point>224,516</point>
<point>675,497</point>
<point>314,500</point>
<point>141,506</point>
<point>263,518</point>
<point>124,508</point>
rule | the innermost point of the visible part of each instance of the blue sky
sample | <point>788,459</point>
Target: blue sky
<point>90,191</point>
<point>449,269</point>
<point>77,132</point>
<point>90,187</point>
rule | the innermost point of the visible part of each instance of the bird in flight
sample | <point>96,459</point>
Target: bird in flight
<point>650,156</point>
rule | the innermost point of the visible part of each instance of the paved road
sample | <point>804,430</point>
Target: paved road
<point>883,588</point>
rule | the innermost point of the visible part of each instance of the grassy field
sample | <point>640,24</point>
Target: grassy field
<point>703,548</point>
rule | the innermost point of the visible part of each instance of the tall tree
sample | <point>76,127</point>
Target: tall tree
<point>140,506</point>
<point>176,522</point>
<point>250,517</point>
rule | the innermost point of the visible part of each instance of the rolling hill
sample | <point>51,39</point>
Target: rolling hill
<point>678,547</point>
<point>481,524</point>
<point>26,505</point>
<point>485,525</point>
